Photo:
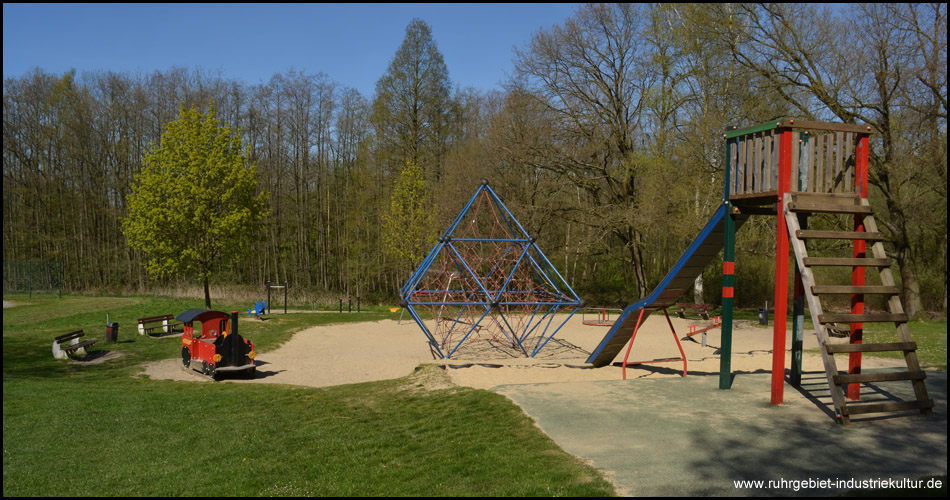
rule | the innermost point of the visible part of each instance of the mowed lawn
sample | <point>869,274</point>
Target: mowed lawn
<point>107,430</point>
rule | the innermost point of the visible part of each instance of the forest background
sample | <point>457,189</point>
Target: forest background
<point>605,143</point>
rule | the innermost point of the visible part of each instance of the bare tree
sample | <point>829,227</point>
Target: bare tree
<point>860,65</point>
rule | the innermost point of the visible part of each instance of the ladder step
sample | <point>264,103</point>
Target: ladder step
<point>838,235</point>
<point>846,261</point>
<point>831,208</point>
<point>859,408</point>
<point>851,378</point>
<point>848,290</point>
<point>863,318</point>
<point>886,346</point>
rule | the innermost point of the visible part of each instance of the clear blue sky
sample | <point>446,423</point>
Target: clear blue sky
<point>352,43</point>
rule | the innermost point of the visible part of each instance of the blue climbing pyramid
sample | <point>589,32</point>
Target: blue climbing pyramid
<point>487,280</point>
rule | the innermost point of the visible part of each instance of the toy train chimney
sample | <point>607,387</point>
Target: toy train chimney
<point>236,345</point>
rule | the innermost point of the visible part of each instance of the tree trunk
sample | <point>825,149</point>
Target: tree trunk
<point>207,294</point>
<point>636,254</point>
<point>698,290</point>
<point>910,286</point>
<point>903,253</point>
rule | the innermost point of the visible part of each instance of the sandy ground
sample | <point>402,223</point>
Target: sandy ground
<point>362,352</point>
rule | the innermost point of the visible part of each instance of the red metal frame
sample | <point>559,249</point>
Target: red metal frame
<point>634,336</point>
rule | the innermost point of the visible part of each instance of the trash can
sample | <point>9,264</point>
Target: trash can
<point>112,332</point>
<point>763,316</point>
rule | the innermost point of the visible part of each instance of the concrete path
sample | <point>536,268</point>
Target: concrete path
<point>685,437</point>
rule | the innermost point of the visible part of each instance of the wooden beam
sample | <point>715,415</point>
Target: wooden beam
<point>881,347</point>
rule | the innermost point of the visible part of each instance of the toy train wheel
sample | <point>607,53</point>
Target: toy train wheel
<point>210,370</point>
<point>185,357</point>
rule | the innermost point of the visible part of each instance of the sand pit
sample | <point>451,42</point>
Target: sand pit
<point>363,352</point>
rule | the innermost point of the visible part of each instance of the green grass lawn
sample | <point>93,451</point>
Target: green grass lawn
<point>930,336</point>
<point>107,430</point>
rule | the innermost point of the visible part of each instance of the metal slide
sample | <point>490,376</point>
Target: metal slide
<point>700,253</point>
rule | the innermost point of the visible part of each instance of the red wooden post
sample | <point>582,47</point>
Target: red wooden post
<point>857,272</point>
<point>781,269</point>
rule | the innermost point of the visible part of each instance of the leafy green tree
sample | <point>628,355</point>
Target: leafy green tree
<point>409,224</point>
<point>195,202</point>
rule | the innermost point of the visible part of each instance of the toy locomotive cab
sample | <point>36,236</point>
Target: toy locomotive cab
<point>215,347</point>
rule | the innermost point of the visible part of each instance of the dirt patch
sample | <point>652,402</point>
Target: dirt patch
<point>96,357</point>
<point>363,352</point>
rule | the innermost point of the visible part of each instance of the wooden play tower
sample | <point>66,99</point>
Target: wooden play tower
<point>796,169</point>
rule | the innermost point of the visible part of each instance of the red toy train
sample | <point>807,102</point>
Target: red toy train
<point>218,348</point>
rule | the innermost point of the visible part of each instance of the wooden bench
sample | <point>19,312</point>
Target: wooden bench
<point>701,309</point>
<point>834,330</point>
<point>70,343</point>
<point>165,322</point>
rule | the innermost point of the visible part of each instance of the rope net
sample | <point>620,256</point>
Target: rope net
<point>486,280</point>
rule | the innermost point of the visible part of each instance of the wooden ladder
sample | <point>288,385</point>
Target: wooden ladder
<point>853,205</point>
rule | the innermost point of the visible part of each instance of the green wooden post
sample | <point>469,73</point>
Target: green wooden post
<point>728,277</point>
<point>728,284</point>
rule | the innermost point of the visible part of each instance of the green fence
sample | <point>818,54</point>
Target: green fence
<point>32,276</point>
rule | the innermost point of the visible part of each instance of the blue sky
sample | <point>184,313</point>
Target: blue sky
<point>352,43</point>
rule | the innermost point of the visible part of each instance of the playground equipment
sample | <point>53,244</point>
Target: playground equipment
<point>697,330</point>
<point>676,282</point>
<point>270,286</point>
<point>599,316</point>
<point>794,169</point>
<point>258,309</point>
<point>217,345</point>
<point>486,279</point>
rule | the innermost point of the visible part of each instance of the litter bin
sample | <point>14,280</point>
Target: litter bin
<point>112,332</point>
<point>763,316</point>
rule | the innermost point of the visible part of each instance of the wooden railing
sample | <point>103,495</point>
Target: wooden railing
<point>823,158</point>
